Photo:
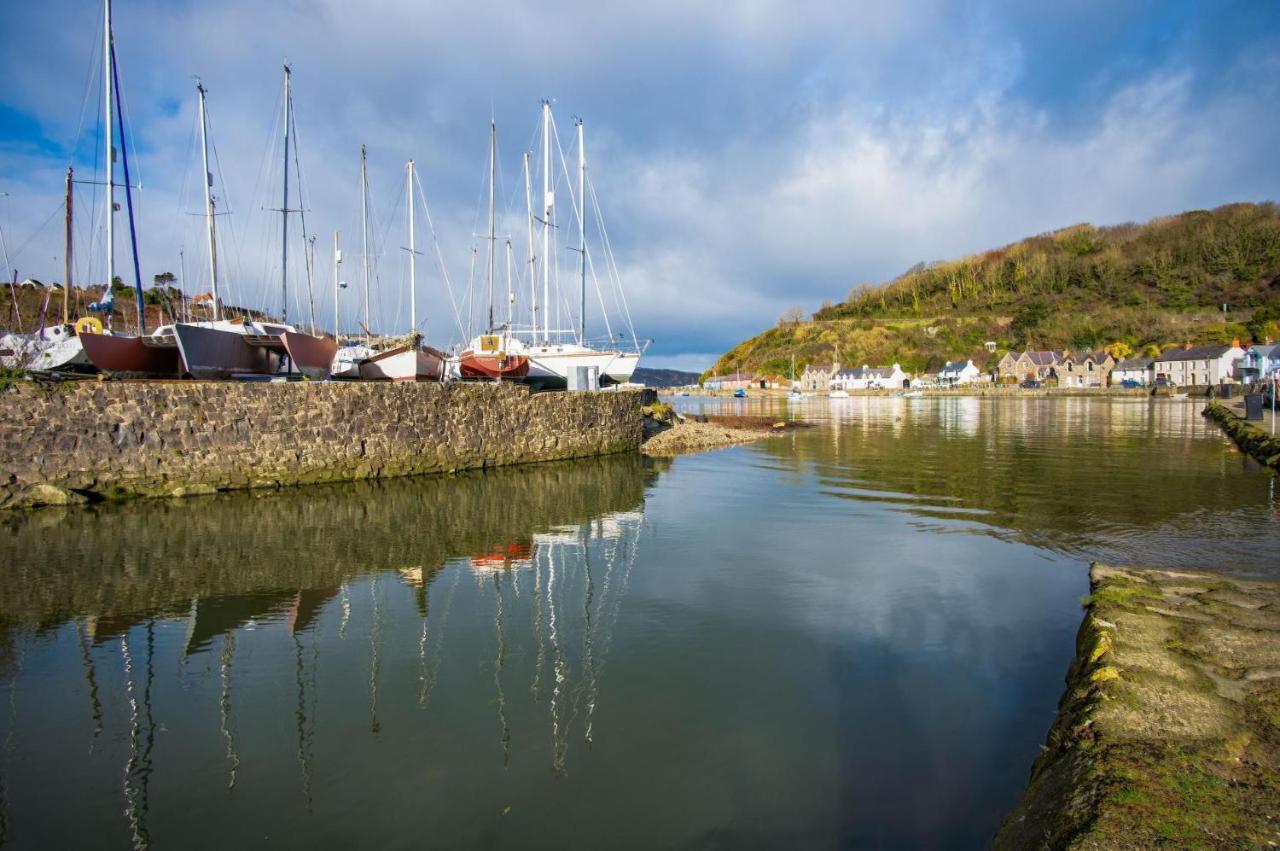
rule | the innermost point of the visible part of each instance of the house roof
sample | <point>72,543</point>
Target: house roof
<point>1269,351</point>
<point>956,367</point>
<point>1043,358</point>
<point>866,372</point>
<point>1135,363</point>
<point>1194,353</point>
<point>1080,357</point>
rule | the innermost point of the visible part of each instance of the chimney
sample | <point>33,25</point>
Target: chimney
<point>1235,343</point>
<point>1186,346</point>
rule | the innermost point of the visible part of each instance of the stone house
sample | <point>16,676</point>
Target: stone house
<point>1036,365</point>
<point>1133,369</point>
<point>1084,369</point>
<point>816,378</point>
<point>1197,366</point>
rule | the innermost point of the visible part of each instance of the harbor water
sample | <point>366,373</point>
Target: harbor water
<point>850,635</point>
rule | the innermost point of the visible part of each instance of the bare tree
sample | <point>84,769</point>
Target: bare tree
<point>793,315</point>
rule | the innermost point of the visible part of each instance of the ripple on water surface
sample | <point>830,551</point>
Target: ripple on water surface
<point>850,635</point>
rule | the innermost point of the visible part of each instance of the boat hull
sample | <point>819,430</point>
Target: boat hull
<point>312,356</point>
<point>549,367</point>
<point>132,356</point>
<point>512,367</point>
<point>403,364</point>
<point>216,353</point>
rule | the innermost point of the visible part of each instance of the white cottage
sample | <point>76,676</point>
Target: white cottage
<point>870,378</point>
<point>1132,369</point>
<point>1198,365</point>
<point>958,372</point>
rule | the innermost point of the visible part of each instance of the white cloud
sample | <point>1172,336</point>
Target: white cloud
<point>748,159</point>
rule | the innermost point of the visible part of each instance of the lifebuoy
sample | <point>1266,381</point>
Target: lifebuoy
<point>88,325</point>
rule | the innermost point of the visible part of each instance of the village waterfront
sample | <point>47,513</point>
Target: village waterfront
<point>853,634</point>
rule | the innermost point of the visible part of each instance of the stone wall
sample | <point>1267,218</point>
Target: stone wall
<point>65,442</point>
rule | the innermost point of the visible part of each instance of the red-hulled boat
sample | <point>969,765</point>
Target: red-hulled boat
<point>488,358</point>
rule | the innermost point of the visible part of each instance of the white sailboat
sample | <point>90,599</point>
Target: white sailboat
<point>412,361</point>
<point>556,353</point>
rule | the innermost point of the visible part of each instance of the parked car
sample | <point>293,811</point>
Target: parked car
<point>1163,381</point>
<point>740,393</point>
<point>1130,383</point>
<point>1030,384</point>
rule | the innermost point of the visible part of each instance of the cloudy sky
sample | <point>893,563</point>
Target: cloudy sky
<point>747,156</point>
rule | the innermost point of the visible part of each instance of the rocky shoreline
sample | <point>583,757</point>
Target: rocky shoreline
<point>1264,448</point>
<point>1168,734</point>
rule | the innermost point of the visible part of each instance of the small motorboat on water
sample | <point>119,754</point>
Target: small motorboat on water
<point>795,395</point>
<point>740,393</point>
<point>838,394</point>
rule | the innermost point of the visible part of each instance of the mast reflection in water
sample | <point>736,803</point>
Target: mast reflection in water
<point>852,635</point>
<point>210,635</point>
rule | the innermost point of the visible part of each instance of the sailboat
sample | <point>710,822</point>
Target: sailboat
<point>555,353</point>
<point>52,348</point>
<point>412,361</point>
<point>227,349</point>
<point>491,354</point>
<point>151,355</point>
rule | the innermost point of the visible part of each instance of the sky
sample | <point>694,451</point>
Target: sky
<point>746,156</point>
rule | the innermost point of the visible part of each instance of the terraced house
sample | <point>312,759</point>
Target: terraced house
<point>1195,366</point>
<point>870,378</point>
<point>1031,365</point>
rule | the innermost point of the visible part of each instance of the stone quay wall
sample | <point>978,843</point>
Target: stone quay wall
<point>72,442</point>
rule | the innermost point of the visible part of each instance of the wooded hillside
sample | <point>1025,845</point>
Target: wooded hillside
<point>1128,287</point>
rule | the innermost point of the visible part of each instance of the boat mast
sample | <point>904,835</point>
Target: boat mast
<point>493,245</point>
<point>284,206</point>
<point>337,267</point>
<point>511,296</point>
<point>533,259</point>
<point>66,265</point>
<point>364,235</point>
<point>413,267</point>
<point>548,202</point>
<point>582,235</point>
<point>208,201</point>
<point>111,151</point>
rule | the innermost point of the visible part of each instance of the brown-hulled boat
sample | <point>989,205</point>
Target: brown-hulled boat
<point>150,356</point>
<point>311,355</point>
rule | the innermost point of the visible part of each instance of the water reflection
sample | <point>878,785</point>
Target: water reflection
<point>1134,480</point>
<point>262,610</point>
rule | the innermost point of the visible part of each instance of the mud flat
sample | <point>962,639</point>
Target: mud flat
<point>667,434</point>
<point>1168,734</point>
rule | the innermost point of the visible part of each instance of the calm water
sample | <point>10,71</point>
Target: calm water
<point>851,636</point>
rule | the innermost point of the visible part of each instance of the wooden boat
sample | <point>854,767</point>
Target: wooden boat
<point>404,363</point>
<point>226,349</point>
<point>148,356</point>
<point>311,355</point>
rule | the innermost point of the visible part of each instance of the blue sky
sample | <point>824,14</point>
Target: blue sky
<point>747,156</point>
